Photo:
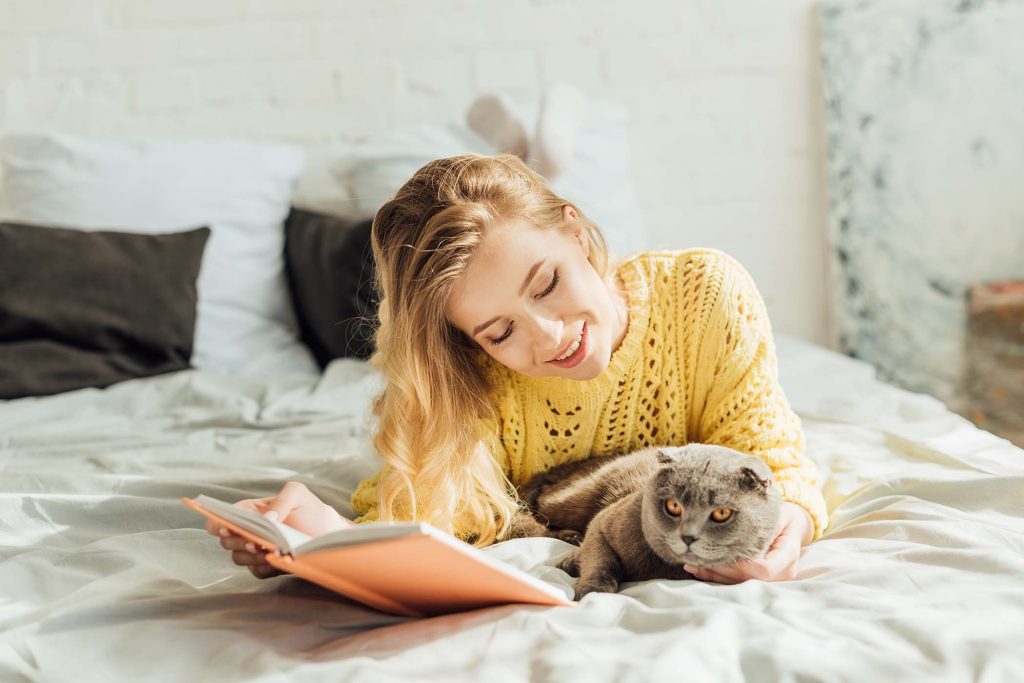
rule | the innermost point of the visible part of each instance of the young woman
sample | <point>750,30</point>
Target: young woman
<point>508,345</point>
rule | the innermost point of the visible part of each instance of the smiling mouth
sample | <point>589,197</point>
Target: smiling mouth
<point>571,348</point>
<point>573,353</point>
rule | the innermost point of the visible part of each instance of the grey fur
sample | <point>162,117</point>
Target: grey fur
<point>617,504</point>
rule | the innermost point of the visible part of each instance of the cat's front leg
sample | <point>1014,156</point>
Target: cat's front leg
<point>600,569</point>
<point>570,564</point>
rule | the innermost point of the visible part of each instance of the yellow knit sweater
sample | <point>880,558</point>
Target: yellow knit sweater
<point>697,364</point>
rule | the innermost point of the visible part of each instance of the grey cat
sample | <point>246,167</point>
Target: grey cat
<point>642,515</point>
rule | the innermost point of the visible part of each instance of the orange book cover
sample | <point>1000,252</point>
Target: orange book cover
<point>407,568</point>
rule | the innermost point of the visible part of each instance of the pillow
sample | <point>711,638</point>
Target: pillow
<point>87,309</point>
<point>242,190</point>
<point>598,180</point>
<point>330,272</point>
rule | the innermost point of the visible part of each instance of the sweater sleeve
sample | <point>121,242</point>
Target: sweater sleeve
<point>745,407</point>
<point>364,499</point>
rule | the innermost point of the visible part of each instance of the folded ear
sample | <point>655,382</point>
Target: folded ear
<point>665,457</point>
<point>752,481</point>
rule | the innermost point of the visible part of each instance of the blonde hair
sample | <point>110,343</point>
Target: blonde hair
<point>437,468</point>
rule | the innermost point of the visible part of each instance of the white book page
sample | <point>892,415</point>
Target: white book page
<point>284,537</point>
<point>366,532</point>
<point>294,537</point>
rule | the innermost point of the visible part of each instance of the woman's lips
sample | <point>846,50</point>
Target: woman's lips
<point>578,356</point>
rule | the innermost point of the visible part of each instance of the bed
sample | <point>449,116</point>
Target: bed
<point>106,576</point>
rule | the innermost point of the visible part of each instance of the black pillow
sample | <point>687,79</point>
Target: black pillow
<point>330,273</point>
<point>88,309</point>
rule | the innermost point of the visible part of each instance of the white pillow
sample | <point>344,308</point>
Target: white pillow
<point>241,189</point>
<point>599,179</point>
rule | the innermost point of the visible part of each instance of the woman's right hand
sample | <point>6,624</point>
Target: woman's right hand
<point>296,506</point>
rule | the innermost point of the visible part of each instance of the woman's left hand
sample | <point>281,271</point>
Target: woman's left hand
<point>778,564</point>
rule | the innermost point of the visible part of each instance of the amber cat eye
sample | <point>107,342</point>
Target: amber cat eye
<point>721,514</point>
<point>673,507</point>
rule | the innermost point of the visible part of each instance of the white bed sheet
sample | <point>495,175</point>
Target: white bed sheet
<point>106,576</point>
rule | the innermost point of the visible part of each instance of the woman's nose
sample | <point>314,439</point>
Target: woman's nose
<point>548,336</point>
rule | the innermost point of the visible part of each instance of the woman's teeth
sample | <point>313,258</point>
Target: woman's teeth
<point>572,348</point>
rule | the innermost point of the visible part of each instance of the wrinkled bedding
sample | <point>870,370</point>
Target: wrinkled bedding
<point>104,575</point>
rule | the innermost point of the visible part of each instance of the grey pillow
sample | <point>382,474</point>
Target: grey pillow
<point>88,309</point>
<point>330,273</point>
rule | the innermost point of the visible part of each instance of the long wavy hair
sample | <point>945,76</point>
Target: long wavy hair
<point>437,467</point>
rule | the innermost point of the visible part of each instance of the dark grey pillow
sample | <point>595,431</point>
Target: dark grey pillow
<point>330,273</point>
<point>88,309</point>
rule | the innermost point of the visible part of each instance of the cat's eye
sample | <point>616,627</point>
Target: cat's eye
<point>673,507</point>
<point>721,514</point>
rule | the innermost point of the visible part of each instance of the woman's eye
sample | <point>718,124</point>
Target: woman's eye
<point>554,283</point>
<point>721,514</point>
<point>551,287</point>
<point>505,336</point>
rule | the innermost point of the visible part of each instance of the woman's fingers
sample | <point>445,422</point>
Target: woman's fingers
<point>293,495</point>
<point>263,571</point>
<point>234,542</point>
<point>245,557</point>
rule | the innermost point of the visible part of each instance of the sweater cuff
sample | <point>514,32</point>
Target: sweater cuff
<point>807,496</point>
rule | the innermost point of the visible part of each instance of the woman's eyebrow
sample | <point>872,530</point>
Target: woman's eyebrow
<point>526,283</point>
<point>529,276</point>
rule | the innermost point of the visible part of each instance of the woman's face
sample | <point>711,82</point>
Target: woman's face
<point>530,298</point>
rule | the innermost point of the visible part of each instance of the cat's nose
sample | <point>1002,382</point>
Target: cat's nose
<point>688,540</point>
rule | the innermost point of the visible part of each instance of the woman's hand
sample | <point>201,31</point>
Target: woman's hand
<point>779,563</point>
<point>295,506</point>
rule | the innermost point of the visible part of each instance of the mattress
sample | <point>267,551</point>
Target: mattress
<point>104,575</point>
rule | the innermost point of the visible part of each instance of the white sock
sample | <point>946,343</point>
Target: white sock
<point>562,112</point>
<point>493,117</point>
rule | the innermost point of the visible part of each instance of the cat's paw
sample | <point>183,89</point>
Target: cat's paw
<point>595,585</point>
<point>570,536</point>
<point>570,564</point>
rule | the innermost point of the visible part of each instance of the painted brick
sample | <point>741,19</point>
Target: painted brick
<point>71,102</point>
<point>49,16</point>
<point>512,69</point>
<point>270,41</point>
<point>438,75</point>
<point>303,83</point>
<point>582,66</point>
<point>177,12</point>
<point>367,81</point>
<point>168,89</point>
<point>233,83</point>
<point>17,56</point>
<point>137,49</point>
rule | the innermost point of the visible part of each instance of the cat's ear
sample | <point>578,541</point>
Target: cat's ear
<point>752,481</point>
<point>664,457</point>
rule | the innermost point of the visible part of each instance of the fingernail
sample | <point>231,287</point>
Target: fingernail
<point>251,547</point>
<point>223,532</point>
<point>271,515</point>
<point>689,568</point>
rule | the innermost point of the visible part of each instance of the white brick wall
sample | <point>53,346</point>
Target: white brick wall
<point>724,96</point>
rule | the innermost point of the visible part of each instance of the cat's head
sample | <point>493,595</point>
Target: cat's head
<point>709,505</point>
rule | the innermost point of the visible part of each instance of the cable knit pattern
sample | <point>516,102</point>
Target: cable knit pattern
<point>697,364</point>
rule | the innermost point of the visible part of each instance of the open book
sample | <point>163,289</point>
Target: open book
<point>407,568</point>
